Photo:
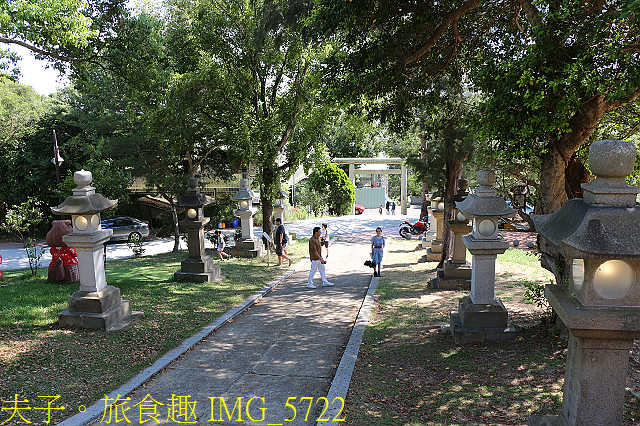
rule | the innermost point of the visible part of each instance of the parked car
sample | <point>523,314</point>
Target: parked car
<point>126,228</point>
<point>359,209</point>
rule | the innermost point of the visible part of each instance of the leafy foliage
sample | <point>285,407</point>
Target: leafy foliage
<point>21,221</point>
<point>330,180</point>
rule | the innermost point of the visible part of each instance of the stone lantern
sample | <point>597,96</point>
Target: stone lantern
<point>456,272</point>
<point>96,305</point>
<point>599,235</point>
<point>435,251</point>
<point>278,207</point>
<point>481,316</point>
<point>248,245</point>
<point>198,267</point>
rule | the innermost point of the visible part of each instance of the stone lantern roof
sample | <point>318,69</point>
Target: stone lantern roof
<point>193,197</point>
<point>606,223</point>
<point>485,203</point>
<point>84,200</point>
<point>244,193</point>
<point>461,194</point>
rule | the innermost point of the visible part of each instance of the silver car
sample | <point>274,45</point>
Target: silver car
<point>126,228</point>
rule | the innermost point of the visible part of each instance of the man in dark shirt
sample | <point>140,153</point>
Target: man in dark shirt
<point>280,242</point>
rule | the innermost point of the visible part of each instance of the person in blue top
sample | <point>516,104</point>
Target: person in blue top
<point>377,251</point>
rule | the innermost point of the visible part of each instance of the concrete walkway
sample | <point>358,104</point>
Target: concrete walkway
<point>286,348</point>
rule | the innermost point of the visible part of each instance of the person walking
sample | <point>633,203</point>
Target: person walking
<point>388,205</point>
<point>280,240</point>
<point>324,238</point>
<point>380,210</point>
<point>317,262</point>
<point>393,208</point>
<point>220,244</point>
<point>377,251</point>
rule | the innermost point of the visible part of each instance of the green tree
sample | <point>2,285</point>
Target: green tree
<point>64,31</point>
<point>22,220</point>
<point>225,83</point>
<point>549,70</point>
<point>329,179</point>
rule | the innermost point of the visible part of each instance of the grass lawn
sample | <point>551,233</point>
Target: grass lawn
<point>410,373</point>
<point>39,359</point>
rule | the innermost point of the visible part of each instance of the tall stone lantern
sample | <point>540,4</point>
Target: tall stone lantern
<point>456,272</point>
<point>249,245</point>
<point>481,316</point>
<point>599,235</point>
<point>198,267</point>
<point>435,251</point>
<point>95,305</point>
<point>278,208</point>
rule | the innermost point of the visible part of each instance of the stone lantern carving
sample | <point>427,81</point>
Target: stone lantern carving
<point>435,251</point>
<point>278,207</point>
<point>198,267</point>
<point>96,305</point>
<point>456,272</point>
<point>248,245</point>
<point>481,316</point>
<point>599,235</point>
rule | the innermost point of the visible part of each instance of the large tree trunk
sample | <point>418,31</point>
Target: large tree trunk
<point>453,172</point>
<point>553,181</point>
<point>176,228</point>
<point>424,205</point>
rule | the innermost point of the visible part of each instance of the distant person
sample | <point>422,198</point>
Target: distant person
<point>317,262</point>
<point>380,210</point>
<point>377,251</point>
<point>324,238</point>
<point>388,206</point>
<point>220,245</point>
<point>393,207</point>
<point>280,240</point>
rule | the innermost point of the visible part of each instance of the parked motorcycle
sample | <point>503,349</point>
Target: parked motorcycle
<point>418,228</point>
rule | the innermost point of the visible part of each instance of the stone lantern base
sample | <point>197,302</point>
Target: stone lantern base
<point>480,322</point>
<point>100,310</point>
<point>248,247</point>
<point>198,270</point>
<point>454,276</point>
<point>434,253</point>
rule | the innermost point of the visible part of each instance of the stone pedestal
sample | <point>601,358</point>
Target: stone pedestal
<point>481,316</point>
<point>96,305</point>
<point>434,253</point>
<point>248,247</point>
<point>198,267</point>
<point>478,322</point>
<point>457,272</point>
<point>600,339</point>
<point>278,213</point>
<point>246,222</point>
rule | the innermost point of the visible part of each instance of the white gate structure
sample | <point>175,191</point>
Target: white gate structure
<point>402,172</point>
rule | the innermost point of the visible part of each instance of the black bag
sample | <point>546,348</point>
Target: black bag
<point>369,263</point>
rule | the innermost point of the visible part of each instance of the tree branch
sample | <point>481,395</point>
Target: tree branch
<point>447,21</point>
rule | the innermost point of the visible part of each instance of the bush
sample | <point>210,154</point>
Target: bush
<point>330,179</point>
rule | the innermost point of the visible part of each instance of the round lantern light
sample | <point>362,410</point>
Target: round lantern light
<point>440,206</point>
<point>95,221</point>
<point>192,213</point>
<point>577,273</point>
<point>81,223</point>
<point>244,204</point>
<point>461,217</point>
<point>487,227</point>
<point>613,279</point>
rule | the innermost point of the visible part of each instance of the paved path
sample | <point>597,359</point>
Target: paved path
<point>287,345</point>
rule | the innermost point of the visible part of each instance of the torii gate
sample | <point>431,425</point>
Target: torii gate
<point>402,172</point>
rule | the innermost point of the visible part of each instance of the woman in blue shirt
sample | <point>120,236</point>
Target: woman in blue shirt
<point>377,251</point>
